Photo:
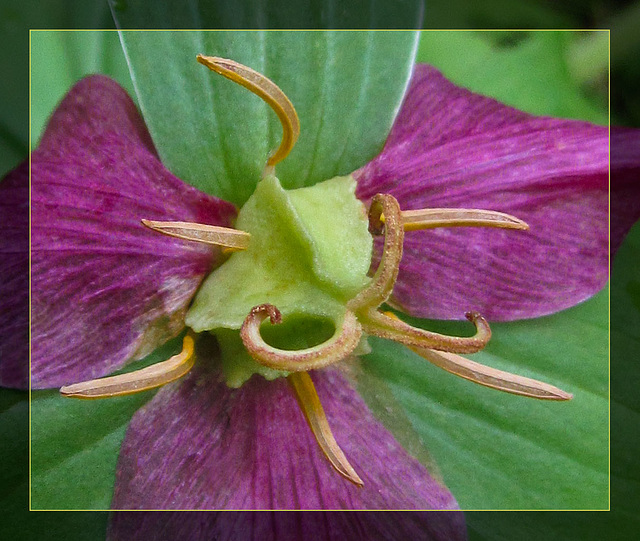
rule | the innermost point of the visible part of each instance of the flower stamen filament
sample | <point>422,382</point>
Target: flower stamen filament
<point>226,237</point>
<point>487,376</point>
<point>144,379</point>
<point>491,377</point>
<point>268,91</point>
<point>385,217</point>
<point>311,406</point>
<point>392,328</point>
<point>346,338</point>
<point>381,286</point>
<point>413,220</point>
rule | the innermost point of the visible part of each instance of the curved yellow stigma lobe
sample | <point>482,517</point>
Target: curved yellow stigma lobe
<point>413,220</point>
<point>134,382</point>
<point>231,239</point>
<point>311,406</point>
<point>269,92</point>
<point>384,216</point>
<point>392,328</point>
<point>340,345</point>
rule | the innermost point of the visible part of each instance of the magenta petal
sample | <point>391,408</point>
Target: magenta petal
<point>452,148</point>
<point>14,279</point>
<point>200,445</point>
<point>105,289</point>
<point>283,526</point>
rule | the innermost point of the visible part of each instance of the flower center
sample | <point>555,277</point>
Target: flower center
<point>300,258</point>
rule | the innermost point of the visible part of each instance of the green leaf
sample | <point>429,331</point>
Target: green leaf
<point>625,374</point>
<point>272,14</point>
<point>60,59</point>
<point>18,523</point>
<point>622,523</point>
<point>499,451</point>
<point>75,443</point>
<point>13,443</point>
<point>492,63</point>
<point>346,87</point>
<point>503,14</point>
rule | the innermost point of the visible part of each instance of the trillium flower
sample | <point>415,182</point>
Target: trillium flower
<point>108,289</point>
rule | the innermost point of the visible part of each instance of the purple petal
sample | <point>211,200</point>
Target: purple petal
<point>14,279</point>
<point>283,526</point>
<point>452,148</point>
<point>200,445</point>
<point>625,183</point>
<point>105,289</point>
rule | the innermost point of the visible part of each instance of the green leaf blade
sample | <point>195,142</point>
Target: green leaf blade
<point>476,61</point>
<point>75,443</point>
<point>499,451</point>
<point>60,59</point>
<point>346,87</point>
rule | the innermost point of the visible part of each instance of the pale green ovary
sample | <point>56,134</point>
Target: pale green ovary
<point>309,253</point>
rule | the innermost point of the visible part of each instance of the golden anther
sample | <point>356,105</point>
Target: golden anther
<point>269,92</point>
<point>413,220</point>
<point>491,377</point>
<point>310,405</point>
<point>134,382</point>
<point>231,239</point>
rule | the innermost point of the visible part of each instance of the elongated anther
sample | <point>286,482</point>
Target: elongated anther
<point>413,220</point>
<point>134,382</point>
<point>269,92</point>
<point>311,406</point>
<point>491,377</point>
<point>345,339</point>
<point>392,328</point>
<point>232,239</point>
<point>384,216</point>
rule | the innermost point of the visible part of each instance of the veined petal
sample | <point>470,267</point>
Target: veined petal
<point>14,279</point>
<point>251,448</point>
<point>106,289</point>
<point>274,526</point>
<point>452,148</point>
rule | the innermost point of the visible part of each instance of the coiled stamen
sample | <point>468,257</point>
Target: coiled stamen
<point>267,90</point>
<point>392,328</point>
<point>340,345</point>
<point>381,286</point>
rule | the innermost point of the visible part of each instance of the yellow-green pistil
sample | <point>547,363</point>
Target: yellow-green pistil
<point>302,260</point>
